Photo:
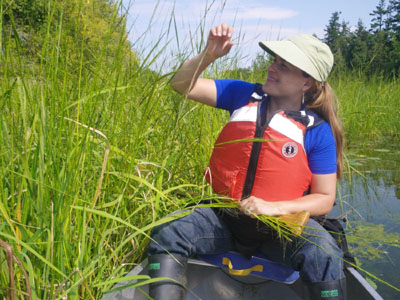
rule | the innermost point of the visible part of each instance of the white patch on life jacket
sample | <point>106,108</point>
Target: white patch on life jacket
<point>311,122</point>
<point>245,113</point>
<point>256,96</point>
<point>287,128</point>
<point>311,119</point>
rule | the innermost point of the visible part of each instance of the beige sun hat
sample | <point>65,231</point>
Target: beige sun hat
<point>305,52</point>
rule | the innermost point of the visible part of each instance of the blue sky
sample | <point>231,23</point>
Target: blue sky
<point>253,20</point>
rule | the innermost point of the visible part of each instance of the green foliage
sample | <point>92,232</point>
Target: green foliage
<point>393,19</point>
<point>333,32</point>
<point>27,13</point>
<point>378,20</point>
<point>84,31</point>
<point>363,98</point>
<point>96,25</point>
<point>370,241</point>
<point>372,51</point>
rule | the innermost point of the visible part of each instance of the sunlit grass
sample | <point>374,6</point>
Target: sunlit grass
<point>368,109</point>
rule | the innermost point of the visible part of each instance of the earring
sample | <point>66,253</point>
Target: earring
<point>302,99</point>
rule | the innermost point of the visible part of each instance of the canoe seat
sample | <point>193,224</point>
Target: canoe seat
<point>238,265</point>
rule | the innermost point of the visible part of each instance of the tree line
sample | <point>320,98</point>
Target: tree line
<point>93,28</point>
<point>373,50</point>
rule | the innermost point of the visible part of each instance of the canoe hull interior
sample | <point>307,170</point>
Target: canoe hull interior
<point>213,283</point>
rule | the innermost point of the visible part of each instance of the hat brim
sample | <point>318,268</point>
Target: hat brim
<point>292,54</point>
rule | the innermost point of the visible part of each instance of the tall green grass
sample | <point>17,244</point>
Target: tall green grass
<point>368,109</point>
<point>92,156</point>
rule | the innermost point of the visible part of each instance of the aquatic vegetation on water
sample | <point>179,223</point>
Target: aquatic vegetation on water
<point>370,241</point>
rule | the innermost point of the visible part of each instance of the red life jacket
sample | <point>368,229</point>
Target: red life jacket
<point>262,158</point>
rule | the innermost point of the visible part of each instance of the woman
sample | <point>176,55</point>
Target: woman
<point>293,170</point>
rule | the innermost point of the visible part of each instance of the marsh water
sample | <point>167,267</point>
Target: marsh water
<point>369,197</point>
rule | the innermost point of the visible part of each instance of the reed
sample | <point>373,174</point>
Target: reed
<point>368,109</point>
<point>92,157</point>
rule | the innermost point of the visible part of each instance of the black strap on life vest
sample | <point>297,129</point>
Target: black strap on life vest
<point>261,126</point>
<point>254,155</point>
<point>248,233</point>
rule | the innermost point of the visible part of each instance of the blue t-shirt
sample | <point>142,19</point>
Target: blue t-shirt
<point>319,141</point>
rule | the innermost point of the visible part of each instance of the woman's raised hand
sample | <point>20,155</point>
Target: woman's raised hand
<point>187,79</point>
<point>219,41</point>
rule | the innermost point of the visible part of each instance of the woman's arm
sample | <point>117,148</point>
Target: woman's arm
<point>186,80</point>
<point>318,202</point>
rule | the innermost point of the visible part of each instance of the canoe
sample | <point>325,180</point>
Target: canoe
<point>230,276</point>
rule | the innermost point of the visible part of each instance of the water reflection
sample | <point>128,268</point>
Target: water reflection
<point>370,194</point>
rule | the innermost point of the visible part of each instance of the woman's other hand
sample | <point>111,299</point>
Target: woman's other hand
<point>258,206</point>
<point>319,202</point>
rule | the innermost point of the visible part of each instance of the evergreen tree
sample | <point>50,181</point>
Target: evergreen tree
<point>393,34</point>
<point>393,21</point>
<point>336,36</point>
<point>359,46</point>
<point>332,32</point>
<point>379,15</point>
<point>374,50</point>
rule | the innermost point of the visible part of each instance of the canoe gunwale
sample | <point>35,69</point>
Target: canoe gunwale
<point>356,284</point>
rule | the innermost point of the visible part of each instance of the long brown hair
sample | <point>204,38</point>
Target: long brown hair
<point>321,99</point>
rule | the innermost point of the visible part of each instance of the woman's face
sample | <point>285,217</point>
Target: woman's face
<point>285,80</point>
